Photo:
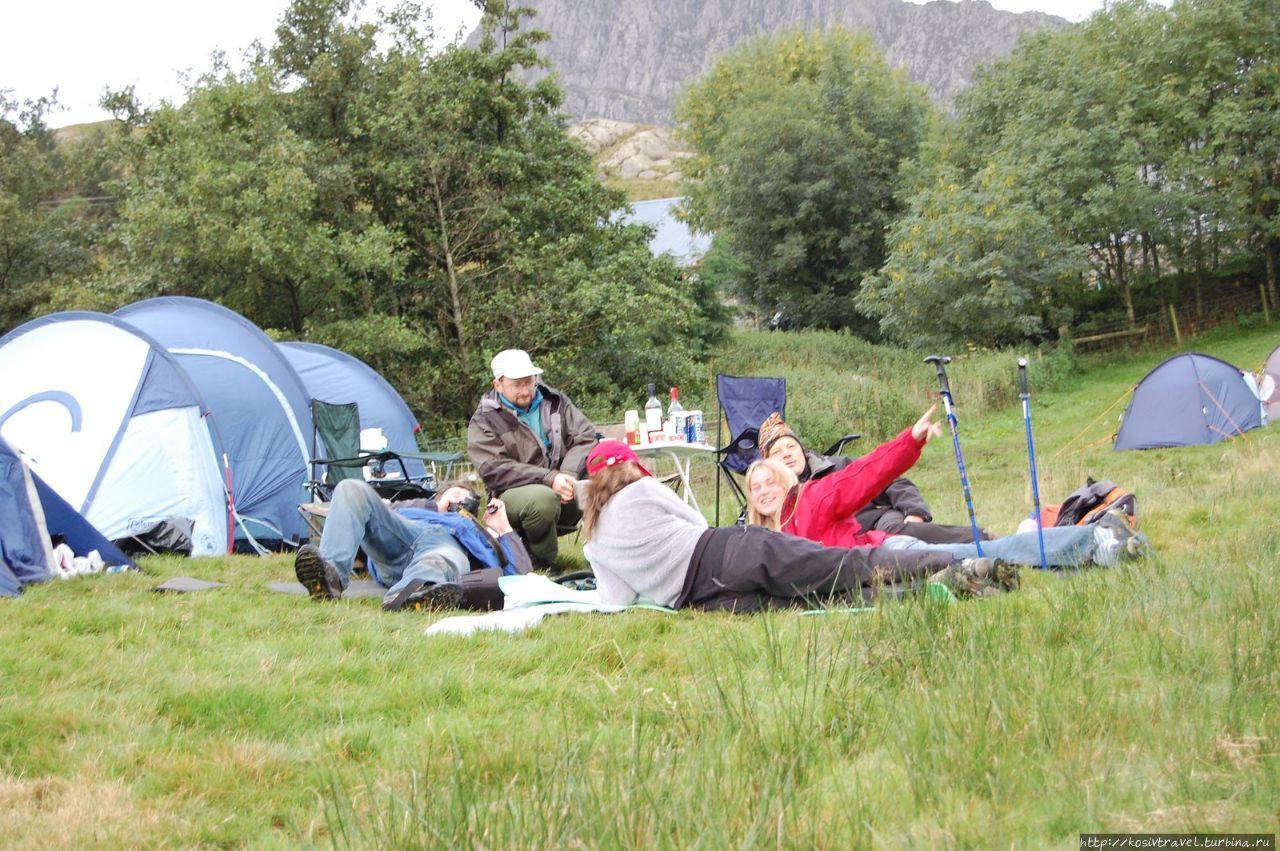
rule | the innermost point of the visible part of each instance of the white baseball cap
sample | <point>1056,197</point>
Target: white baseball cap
<point>513,363</point>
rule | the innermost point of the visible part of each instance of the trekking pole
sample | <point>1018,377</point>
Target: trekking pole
<point>1031,455</point>
<point>939,362</point>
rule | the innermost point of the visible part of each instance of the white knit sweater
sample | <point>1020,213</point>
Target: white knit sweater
<point>642,544</point>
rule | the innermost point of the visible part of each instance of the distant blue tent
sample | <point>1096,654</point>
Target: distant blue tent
<point>259,405</point>
<point>1188,400</point>
<point>336,377</point>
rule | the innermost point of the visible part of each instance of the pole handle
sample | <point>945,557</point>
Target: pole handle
<point>1022,377</point>
<point>939,362</point>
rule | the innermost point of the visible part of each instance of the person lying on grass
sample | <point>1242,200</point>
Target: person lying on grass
<point>417,554</point>
<point>643,542</point>
<point>822,510</point>
<point>897,509</point>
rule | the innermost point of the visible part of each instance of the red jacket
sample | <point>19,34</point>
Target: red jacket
<point>822,509</point>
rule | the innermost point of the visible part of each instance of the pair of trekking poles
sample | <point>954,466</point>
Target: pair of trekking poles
<point>940,364</point>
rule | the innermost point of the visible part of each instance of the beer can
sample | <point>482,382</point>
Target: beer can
<point>680,425</point>
<point>694,432</point>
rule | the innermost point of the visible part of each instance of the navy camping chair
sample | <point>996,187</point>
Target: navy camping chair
<point>745,403</point>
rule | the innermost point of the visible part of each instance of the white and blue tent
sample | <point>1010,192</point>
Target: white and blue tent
<point>107,417</point>
<point>259,403</point>
<point>338,378</point>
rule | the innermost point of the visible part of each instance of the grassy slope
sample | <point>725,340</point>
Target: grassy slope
<point>1138,699</point>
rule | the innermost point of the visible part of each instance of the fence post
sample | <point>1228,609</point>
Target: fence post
<point>1173,317</point>
<point>1266,312</point>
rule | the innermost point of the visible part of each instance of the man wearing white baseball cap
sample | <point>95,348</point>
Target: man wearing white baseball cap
<point>530,444</point>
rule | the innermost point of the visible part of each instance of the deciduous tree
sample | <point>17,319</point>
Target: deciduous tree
<point>47,231</point>
<point>797,142</point>
<point>354,181</point>
<point>973,260</point>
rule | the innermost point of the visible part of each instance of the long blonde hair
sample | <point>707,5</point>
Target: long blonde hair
<point>780,474</point>
<point>603,485</point>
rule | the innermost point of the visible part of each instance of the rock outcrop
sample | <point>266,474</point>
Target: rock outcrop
<point>628,59</point>
<point>630,151</point>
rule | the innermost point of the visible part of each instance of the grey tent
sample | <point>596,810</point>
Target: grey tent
<point>1188,400</point>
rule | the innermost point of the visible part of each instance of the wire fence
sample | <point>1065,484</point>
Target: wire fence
<point>1173,323</point>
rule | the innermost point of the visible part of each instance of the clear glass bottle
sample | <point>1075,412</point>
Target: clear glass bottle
<point>676,418</point>
<point>652,412</point>
<point>675,407</point>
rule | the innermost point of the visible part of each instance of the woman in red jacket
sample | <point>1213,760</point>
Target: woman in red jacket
<point>822,510</point>
<point>899,509</point>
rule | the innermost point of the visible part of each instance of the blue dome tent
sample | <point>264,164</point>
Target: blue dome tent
<point>258,402</point>
<point>336,377</point>
<point>1188,400</point>
<point>26,554</point>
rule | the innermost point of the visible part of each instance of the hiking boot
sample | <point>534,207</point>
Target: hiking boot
<point>978,577</point>
<point>1139,546</point>
<point>394,604</point>
<point>319,576</point>
<point>419,595</point>
<point>1005,574</point>
<point>1116,541</point>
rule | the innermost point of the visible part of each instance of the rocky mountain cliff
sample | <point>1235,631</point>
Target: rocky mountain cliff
<point>628,59</point>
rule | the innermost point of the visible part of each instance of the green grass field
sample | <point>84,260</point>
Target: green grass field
<point>1138,699</point>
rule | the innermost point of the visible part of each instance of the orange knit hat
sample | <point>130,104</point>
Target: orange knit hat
<point>771,430</point>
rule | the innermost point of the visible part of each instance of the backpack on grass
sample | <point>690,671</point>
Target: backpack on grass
<point>1087,504</point>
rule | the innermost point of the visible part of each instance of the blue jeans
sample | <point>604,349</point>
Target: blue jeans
<point>1064,546</point>
<point>403,551</point>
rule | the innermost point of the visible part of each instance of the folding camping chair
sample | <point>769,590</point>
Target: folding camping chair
<point>336,428</point>
<point>745,403</point>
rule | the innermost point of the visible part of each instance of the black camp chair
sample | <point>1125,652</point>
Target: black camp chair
<point>745,403</point>
<point>337,429</point>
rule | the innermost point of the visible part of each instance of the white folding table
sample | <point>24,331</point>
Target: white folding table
<point>681,455</point>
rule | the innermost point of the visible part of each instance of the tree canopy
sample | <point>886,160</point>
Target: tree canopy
<point>352,184</point>
<point>797,140</point>
<point>1129,161</point>
<point>48,229</point>
<point>420,208</point>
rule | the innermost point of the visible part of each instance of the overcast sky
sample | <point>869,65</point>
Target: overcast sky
<point>83,47</point>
